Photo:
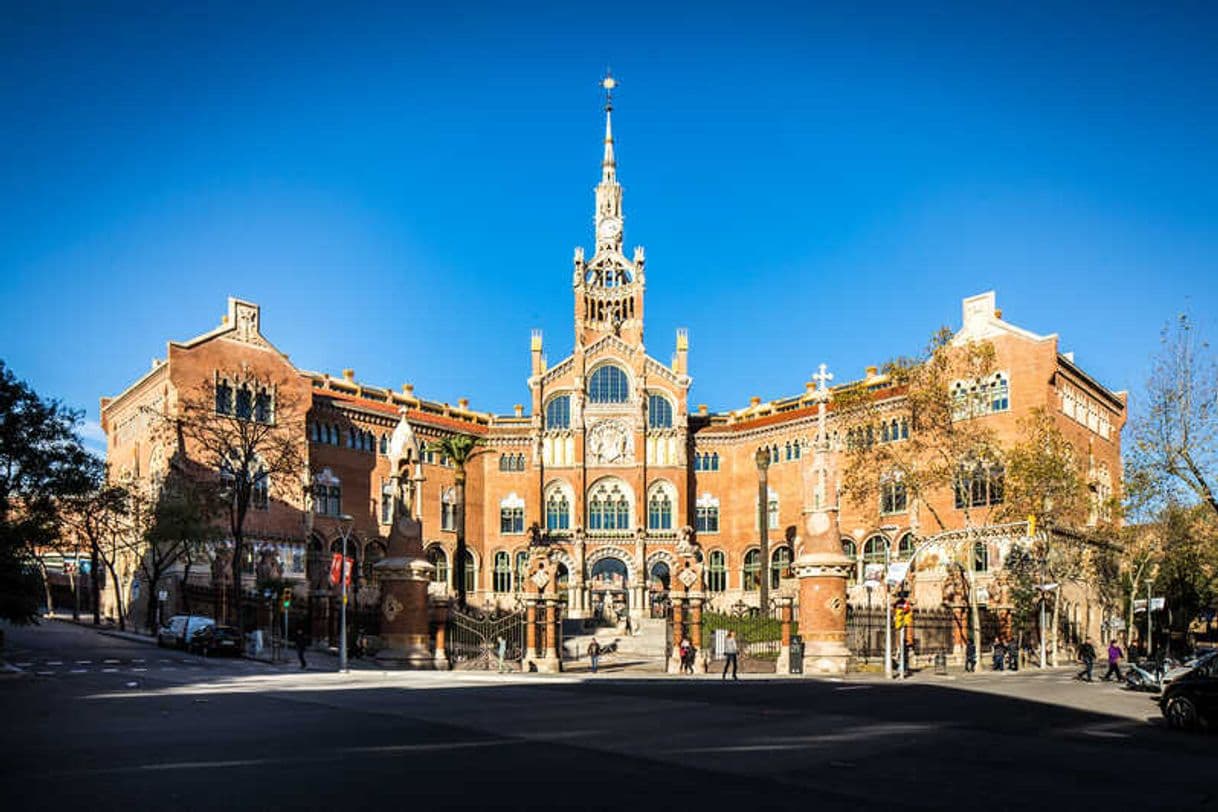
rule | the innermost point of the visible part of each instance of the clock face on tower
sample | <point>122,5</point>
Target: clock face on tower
<point>609,228</point>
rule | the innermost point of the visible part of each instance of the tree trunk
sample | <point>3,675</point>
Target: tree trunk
<point>461,551</point>
<point>95,581</point>
<point>238,552</point>
<point>46,588</point>
<point>1053,630</point>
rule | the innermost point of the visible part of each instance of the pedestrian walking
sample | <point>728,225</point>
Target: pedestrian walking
<point>1000,654</point>
<point>686,664</point>
<point>970,657</point>
<point>730,650</point>
<point>1114,659</point>
<point>502,651</point>
<point>302,642</point>
<point>594,654</point>
<point>1086,653</point>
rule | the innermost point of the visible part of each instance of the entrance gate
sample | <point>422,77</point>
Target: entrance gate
<point>758,633</point>
<point>472,639</point>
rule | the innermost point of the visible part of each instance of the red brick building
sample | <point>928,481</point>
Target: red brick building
<point>607,460</point>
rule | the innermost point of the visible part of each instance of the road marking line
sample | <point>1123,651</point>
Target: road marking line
<point>195,765</point>
<point>407,748</point>
<point>54,662</point>
<point>44,673</point>
<point>111,661</point>
<point>84,662</point>
<point>79,671</point>
<point>169,668</point>
<point>854,688</point>
<point>24,665</point>
<point>109,670</point>
<point>139,669</point>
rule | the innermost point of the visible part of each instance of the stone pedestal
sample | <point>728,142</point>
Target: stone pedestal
<point>404,576</point>
<point>439,617</point>
<point>783,666</point>
<point>822,611</point>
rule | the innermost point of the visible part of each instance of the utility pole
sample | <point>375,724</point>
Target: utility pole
<point>345,524</point>
<point>1150,648</point>
<point>762,458</point>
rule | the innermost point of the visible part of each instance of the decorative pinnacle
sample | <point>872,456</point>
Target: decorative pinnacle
<point>609,163</point>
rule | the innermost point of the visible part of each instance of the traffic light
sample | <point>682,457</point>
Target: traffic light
<point>287,597</point>
<point>902,614</point>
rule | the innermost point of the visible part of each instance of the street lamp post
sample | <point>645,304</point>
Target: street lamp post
<point>345,523</point>
<point>762,458</point>
<point>888,530</point>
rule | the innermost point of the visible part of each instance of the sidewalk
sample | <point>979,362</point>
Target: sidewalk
<point>319,658</point>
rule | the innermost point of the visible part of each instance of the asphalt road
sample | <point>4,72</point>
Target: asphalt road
<point>101,723</point>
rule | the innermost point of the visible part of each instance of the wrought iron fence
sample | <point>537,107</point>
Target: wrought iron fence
<point>933,632</point>
<point>758,633</point>
<point>474,638</point>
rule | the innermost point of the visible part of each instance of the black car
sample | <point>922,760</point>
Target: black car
<point>216,640</point>
<point>1191,699</point>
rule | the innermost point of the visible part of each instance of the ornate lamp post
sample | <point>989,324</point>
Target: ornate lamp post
<point>345,523</point>
<point>762,458</point>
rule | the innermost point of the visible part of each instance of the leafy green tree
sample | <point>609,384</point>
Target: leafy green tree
<point>42,461</point>
<point>186,520</point>
<point>460,449</point>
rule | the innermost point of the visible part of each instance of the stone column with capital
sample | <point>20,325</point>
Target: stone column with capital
<point>678,621</point>
<point>439,617</point>
<point>543,604</point>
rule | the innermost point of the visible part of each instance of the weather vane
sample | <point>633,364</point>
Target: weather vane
<point>608,83</point>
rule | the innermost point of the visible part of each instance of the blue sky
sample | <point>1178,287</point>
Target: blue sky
<point>401,188</point>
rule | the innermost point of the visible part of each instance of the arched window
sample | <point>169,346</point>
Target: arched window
<point>780,565</point>
<point>448,509</point>
<point>224,398</point>
<point>373,553</point>
<point>707,514</point>
<point>798,448</point>
<point>384,444</point>
<point>752,571</point>
<point>245,403</point>
<point>468,571</point>
<point>558,412</point>
<point>502,578</point>
<point>905,547</point>
<point>386,502</point>
<point>893,498</point>
<point>659,412</point>
<point>714,460</point>
<point>716,572</point>
<point>558,511</point>
<point>981,557</point>
<point>314,432</point>
<point>979,484</point>
<point>262,406</point>
<point>511,514</point>
<point>849,549</point>
<point>522,570</point>
<point>873,550</point>
<point>608,508</point>
<point>608,384</point>
<point>659,509</point>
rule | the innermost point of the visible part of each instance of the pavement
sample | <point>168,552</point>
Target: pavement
<point>108,723</point>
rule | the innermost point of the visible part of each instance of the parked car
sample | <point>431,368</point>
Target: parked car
<point>1190,700</point>
<point>216,640</point>
<point>180,629</point>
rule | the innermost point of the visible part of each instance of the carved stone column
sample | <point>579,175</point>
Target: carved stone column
<point>695,631</point>
<point>404,575</point>
<point>530,631</point>
<point>678,620</point>
<point>822,611</point>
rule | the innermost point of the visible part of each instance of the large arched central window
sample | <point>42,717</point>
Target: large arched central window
<point>608,384</point>
<point>608,508</point>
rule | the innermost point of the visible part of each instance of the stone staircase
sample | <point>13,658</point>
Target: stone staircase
<point>645,649</point>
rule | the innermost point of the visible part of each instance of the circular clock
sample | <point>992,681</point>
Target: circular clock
<point>609,228</point>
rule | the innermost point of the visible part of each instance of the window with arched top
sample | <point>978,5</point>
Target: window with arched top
<point>558,412</point>
<point>467,571</point>
<point>659,508</point>
<point>981,557</point>
<point>1000,393</point>
<point>751,572</point>
<point>608,507</point>
<point>448,509</point>
<point>707,514</point>
<point>850,549</point>
<point>502,576</point>
<point>511,514</point>
<point>873,550</point>
<point>716,572</point>
<point>521,570</point>
<point>609,384</point>
<point>439,560</point>
<point>780,565</point>
<point>659,412</point>
<point>558,510</point>
<point>905,547</point>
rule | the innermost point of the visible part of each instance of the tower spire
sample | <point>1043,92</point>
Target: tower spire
<point>609,163</point>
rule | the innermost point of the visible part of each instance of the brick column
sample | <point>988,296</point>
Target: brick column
<point>678,616</point>
<point>530,631</point>
<point>439,616</point>
<point>695,632</point>
<point>786,613</point>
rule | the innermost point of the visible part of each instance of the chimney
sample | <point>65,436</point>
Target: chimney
<point>998,313</point>
<point>539,363</point>
<point>518,409</point>
<point>680,361</point>
<point>755,401</point>
<point>872,371</point>
<point>463,403</point>
<point>702,410</point>
<point>408,390</point>
<point>349,375</point>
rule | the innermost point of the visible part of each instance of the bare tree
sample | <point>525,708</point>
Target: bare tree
<point>95,517</point>
<point>1175,437</point>
<point>246,432</point>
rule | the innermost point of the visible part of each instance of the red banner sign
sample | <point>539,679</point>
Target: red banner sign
<point>336,567</point>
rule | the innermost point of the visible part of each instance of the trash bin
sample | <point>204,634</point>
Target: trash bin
<point>941,663</point>
<point>797,655</point>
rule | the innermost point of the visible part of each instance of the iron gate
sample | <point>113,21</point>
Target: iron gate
<point>472,639</point>
<point>758,633</point>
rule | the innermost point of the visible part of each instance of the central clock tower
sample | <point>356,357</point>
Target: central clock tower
<point>608,287</point>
